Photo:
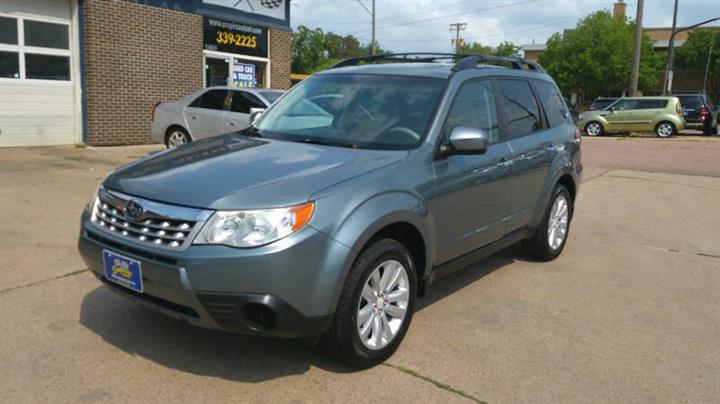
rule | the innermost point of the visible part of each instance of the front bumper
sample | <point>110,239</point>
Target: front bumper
<point>285,289</point>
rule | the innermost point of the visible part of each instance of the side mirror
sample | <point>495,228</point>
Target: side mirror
<point>464,140</point>
<point>255,114</point>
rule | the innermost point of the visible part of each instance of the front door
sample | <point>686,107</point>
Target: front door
<point>238,116</point>
<point>217,71</point>
<point>620,115</point>
<point>468,203</point>
<point>205,115</point>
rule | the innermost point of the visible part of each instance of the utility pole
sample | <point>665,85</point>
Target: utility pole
<point>457,27</point>
<point>707,68</point>
<point>373,45</point>
<point>637,42</point>
<point>667,82</point>
<point>373,28</point>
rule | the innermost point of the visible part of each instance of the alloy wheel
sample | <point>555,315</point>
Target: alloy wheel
<point>383,304</point>
<point>593,129</point>
<point>558,222</point>
<point>665,130</point>
<point>176,138</point>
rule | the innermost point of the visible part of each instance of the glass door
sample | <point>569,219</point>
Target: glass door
<point>217,71</point>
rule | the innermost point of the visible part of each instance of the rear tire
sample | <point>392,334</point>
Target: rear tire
<point>594,128</point>
<point>176,136</point>
<point>549,238</point>
<point>665,129</point>
<point>364,347</point>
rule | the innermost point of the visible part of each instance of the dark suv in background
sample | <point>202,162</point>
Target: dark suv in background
<point>344,201</point>
<point>699,112</point>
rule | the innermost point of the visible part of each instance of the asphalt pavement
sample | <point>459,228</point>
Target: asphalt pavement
<point>628,313</point>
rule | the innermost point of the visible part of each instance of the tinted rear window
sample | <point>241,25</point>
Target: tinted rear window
<point>692,101</point>
<point>552,101</point>
<point>519,108</point>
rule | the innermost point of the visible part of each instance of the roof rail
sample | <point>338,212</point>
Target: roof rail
<point>471,62</point>
<point>465,61</point>
<point>412,57</point>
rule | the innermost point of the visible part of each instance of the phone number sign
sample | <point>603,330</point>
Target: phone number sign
<point>231,37</point>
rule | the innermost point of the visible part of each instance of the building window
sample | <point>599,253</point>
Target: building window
<point>9,65</point>
<point>46,35</point>
<point>32,49</point>
<point>8,31</point>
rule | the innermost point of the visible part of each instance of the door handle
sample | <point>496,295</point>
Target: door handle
<point>193,117</point>
<point>549,147</point>
<point>232,123</point>
<point>504,163</point>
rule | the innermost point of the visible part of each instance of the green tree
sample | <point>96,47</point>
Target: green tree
<point>314,49</point>
<point>504,49</point>
<point>692,57</point>
<point>596,56</point>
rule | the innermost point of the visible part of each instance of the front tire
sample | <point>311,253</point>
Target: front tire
<point>376,305</point>
<point>594,128</point>
<point>548,240</point>
<point>665,129</point>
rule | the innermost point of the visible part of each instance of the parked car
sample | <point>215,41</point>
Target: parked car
<point>699,112</point>
<point>601,103</point>
<point>661,115</point>
<point>344,201</point>
<point>207,112</point>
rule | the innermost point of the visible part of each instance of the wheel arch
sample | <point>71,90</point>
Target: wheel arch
<point>176,126</point>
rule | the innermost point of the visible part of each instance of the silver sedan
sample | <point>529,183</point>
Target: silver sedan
<point>207,112</point>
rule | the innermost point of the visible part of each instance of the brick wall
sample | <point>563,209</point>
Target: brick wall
<point>136,55</point>
<point>280,59</point>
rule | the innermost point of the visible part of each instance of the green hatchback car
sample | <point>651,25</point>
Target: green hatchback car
<point>661,115</point>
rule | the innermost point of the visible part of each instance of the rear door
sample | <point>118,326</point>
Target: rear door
<point>238,117</point>
<point>646,113</point>
<point>532,142</point>
<point>204,116</point>
<point>471,191</point>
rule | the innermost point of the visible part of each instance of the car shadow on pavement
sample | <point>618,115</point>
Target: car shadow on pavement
<point>139,331</point>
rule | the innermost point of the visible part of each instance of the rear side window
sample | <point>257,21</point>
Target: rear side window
<point>518,106</point>
<point>553,103</point>
<point>213,99</point>
<point>242,102</point>
<point>474,107</point>
<point>651,104</point>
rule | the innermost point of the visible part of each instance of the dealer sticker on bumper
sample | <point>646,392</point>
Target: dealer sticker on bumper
<point>123,270</point>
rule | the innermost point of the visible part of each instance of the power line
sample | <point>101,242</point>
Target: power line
<point>446,16</point>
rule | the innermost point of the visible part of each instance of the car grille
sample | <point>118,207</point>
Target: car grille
<point>152,227</point>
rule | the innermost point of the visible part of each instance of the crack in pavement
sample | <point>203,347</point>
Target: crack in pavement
<point>628,177</point>
<point>437,384</point>
<point>27,285</point>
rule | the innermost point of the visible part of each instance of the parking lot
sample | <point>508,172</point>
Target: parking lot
<point>628,313</point>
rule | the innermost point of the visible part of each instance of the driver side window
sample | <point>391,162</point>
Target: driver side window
<point>474,107</point>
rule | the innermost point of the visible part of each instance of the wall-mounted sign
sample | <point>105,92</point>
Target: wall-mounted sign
<point>244,75</point>
<point>267,8</point>
<point>231,37</point>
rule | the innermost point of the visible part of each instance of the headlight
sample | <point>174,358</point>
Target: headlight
<point>92,205</point>
<point>252,228</point>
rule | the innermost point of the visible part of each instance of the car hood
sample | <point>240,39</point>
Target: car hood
<point>234,171</point>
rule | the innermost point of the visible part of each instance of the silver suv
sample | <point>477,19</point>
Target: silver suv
<point>344,201</point>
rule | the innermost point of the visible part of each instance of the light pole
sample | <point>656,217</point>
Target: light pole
<point>667,84</point>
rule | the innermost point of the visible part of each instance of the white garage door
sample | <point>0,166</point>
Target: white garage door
<point>39,79</point>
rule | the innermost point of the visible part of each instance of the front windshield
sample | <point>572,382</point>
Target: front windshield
<point>355,110</point>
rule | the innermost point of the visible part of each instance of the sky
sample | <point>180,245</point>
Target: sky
<point>423,25</point>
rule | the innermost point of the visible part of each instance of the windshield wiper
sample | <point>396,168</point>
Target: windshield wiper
<point>326,142</point>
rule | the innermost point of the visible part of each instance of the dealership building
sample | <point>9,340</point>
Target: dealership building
<point>91,71</point>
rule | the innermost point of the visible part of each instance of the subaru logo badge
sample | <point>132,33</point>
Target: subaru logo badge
<point>134,210</point>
